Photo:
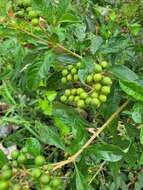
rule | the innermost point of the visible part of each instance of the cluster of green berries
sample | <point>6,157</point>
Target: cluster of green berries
<point>24,10</point>
<point>71,73</point>
<point>19,175</point>
<point>100,86</point>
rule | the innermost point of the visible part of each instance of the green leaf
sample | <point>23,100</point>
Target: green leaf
<point>33,146</point>
<point>107,152</point>
<point>3,158</point>
<point>96,42</point>
<point>69,18</point>
<point>141,134</point>
<point>51,95</point>
<point>62,8</point>
<point>137,112</point>
<point>139,184</point>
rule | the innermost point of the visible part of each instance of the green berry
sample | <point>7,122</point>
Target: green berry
<point>16,187</point>
<point>32,14</point>
<point>105,90</point>
<point>64,72</point>
<point>95,102</point>
<point>78,65</point>
<point>73,91</point>
<point>70,67</point>
<point>80,90</point>
<point>80,103</point>
<point>14,163</point>
<point>97,77</point>
<point>45,179</point>
<point>102,98</point>
<point>67,92</point>
<point>5,167</point>
<point>21,158</point>
<point>106,81</point>
<point>94,95</point>
<point>36,172</point>
<point>56,182</point>
<point>35,21</point>
<point>71,98</point>
<point>97,86</point>
<point>76,98</point>
<point>74,71</point>
<point>47,187</point>
<point>4,185</point>
<point>20,13</point>
<point>69,77</point>
<point>64,80</point>
<point>20,3</point>
<point>7,174</point>
<point>75,78</point>
<point>83,95</point>
<point>27,3</point>
<point>24,150</point>
<point>26,188</point>
<point>88,100</point>
<point>98,68</point>
<point>89,79</point>
<point>29,9</point>
<point>104,64</point>
<point>40,160</point>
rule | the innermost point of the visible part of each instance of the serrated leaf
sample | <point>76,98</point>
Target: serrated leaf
<point>33,146</point>
<point>3,158</point>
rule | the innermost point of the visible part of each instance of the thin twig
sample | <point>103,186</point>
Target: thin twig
<point>72,159</point>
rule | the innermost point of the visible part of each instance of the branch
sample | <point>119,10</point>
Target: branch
<point>72,159</point>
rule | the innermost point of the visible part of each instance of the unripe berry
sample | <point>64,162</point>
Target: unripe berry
<point>4,185</point>
<point>74,71</point>
<point>104,64</point>
<point>5,167</point>
<point>80,103</point>
<point>35,21</point>
<point>78,65</point>
<point>36,172</point>
<point>7,174</point>
<point>94,95</point>
<point>69,77</point>
<point>21,159</point>
<point>27,3</point>
<point>63,98</point>
<point>73,91</point>
<point>97,86</point>
<point>75,78</point>
<point>56,183</point>
<point>40,160</point>
<point>71,98</point>
<point>83,95</point>
<point>70,67</point>
<point>64,80</point>
<point>95,102</point>
<point>97,77</point>
<point>106,81</point>
<point>80,90</point>
<point>98,68</point>
<point>67,92</point>
<point>14,154</point>
<point>102,98</point>
<point>64,72</point>
<point>89,79</point>
<point>16,187</point>
<point>47,187</point>
<point>76,98</point>
<point>105,90</point>
<point>24,150</point>
<point>45,179</point>
<point>88,100</point>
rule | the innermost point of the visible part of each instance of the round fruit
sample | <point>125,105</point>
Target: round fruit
<point>78,65</point>
<point>64,72</point>
<point>79,90</point>
<point>95,102</point>
<point>56,182</point>
<point>26,188</point>
<point>35,21</point>
<point>36,172</point>
<point>24,150</point>
<point>74,71</point>
<point>64,80</point>
<point>45,179</point>
<point>76,98</point>
<point>70,67</point>
<point>21,159</point>
<point>97,86</point>
<point>69,77</point>
<point>89,79</point>
<point>32,14</point>
<point>102,98</point>
<point>75,77</point>
<point>6,174</point>
<point>20,3</point>
<point>105,90</point>
<point>4,185</point>
<point>88,100</point>
<point>26,3</point>
<point>94,95</point>
<point>67,92</point>
<point>29,9</point>
<point>104,64</point>
<point>14,163</point>
<point>39,160</point>
<point>16,187</point>
<point>73,91</point>
<point>98,68</point>
<point>20,13</point>
<point>97,77</point>
<point>83,95</point>
<point>47,187</point>
<point>5,167</point>
<point>80,103</point>
<point>106,81</point>
<point>71,98</point>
